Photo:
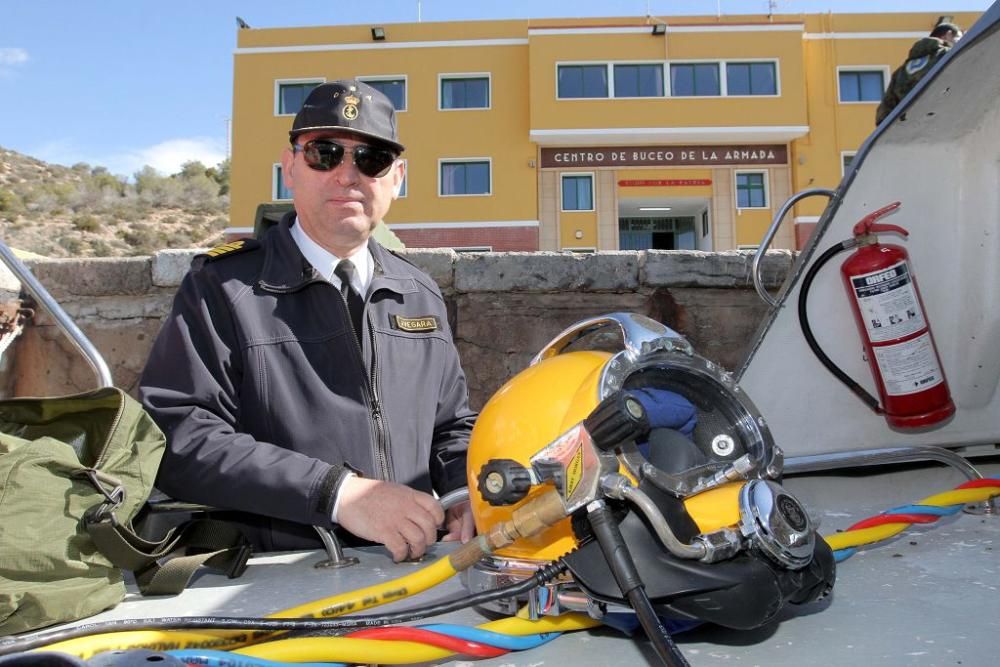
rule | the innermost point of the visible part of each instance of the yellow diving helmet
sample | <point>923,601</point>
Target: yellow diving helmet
<point>706,497</point>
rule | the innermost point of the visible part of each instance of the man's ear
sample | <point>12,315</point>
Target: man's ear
<point>287,157</point>
<point>400,173</point>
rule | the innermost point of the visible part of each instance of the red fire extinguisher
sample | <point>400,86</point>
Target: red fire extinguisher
<point>893,326</point>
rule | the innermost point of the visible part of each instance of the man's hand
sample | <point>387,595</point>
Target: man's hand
<point>459,523</point>
<point>404,520</point>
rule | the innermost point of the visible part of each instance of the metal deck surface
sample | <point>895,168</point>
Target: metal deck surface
<point>927,598</point>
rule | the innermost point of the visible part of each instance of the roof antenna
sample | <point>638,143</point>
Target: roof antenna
<point>418,11</point>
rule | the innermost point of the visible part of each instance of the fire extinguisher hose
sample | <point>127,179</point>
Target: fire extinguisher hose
<point>857,389</point>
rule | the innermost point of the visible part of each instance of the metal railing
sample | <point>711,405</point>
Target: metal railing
<point>68,326</point>
<point>758,283</point>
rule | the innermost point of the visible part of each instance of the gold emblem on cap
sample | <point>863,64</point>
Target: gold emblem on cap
<point>350,105</point>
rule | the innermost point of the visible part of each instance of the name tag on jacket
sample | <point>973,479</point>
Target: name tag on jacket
<point>414,324</point>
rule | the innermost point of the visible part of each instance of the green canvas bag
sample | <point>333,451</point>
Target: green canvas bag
<point>60,459</point>
<point>74,471</point>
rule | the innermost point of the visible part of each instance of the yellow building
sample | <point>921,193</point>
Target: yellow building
<point>589,134</point>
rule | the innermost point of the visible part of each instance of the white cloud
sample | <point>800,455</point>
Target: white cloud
<point>10,56</point>
<point>166,157</point>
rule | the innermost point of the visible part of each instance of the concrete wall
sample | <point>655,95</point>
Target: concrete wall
<point>504,307</point>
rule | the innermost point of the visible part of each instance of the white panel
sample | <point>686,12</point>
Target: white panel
<point>939,156</point>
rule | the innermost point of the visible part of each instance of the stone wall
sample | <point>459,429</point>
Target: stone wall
<point>504,307</point>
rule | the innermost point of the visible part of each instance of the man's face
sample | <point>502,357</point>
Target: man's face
<point>951,37</point>
<point>338,208</point>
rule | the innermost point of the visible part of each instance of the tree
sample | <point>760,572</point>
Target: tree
<point>191,169</point>
<point>146,178</point>
<point>220,174</point>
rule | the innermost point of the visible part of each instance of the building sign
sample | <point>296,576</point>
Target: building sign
<point>660,156</point>
<point>654,182</point>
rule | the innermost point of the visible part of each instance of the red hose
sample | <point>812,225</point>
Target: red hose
<point>404,633</point>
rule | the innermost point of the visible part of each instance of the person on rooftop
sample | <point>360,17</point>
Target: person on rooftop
<point>924,53</point>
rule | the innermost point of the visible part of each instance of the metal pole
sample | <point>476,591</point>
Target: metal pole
<point>67,325</point>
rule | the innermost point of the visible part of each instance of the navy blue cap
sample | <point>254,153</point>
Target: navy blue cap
<point>350,106</point>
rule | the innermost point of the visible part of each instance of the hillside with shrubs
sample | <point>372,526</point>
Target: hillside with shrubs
<point>86,211</point>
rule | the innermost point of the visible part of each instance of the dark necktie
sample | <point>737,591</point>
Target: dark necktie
<point>355,304</point>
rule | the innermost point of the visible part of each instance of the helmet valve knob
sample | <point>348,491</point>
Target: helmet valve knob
<point>504,482</point>
<point>619,418</point>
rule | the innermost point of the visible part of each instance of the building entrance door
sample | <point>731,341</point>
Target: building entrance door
<point>656,233</point>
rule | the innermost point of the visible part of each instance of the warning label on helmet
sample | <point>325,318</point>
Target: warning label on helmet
<point>574,471</point>
<point>909,367</point>
<point>889,305</point>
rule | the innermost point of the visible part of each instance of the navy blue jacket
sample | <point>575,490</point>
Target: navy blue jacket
<point>266,397</point>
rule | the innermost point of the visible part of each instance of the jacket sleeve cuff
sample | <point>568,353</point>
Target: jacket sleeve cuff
<point>329,489</point>
<point>348,474</point>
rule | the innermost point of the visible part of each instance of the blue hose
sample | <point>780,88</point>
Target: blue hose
<point>227,659</point>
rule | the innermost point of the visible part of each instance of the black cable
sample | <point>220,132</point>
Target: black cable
<point>661,639</point>
<point>616,552</point>
<point>856,388</point>
<point>45,637</point>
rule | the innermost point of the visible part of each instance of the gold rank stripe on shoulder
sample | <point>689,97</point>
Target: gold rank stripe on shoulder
<point>415,324</point>
<point>226,247</point>
<point>232,248</point>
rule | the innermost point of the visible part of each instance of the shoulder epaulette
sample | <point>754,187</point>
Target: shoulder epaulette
<point>392,251</point>
<point>230,249</point>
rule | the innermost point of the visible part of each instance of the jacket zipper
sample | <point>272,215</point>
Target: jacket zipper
<point>380,437</point>
<point>382,455</point>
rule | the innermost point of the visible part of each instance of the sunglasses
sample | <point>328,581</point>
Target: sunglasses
<point>325,155</point>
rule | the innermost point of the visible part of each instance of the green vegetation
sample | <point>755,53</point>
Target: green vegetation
<point>85,210</point>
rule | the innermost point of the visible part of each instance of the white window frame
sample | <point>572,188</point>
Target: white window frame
<point>465,75</point>
<point>703,61</point>
<point>666,64</point>
<point>392,77</point>
<point>862,68</point>
<point>767,189</point>
<point>276,181</point>
<point>724,79</point>
<point>583,63</point>
<point>613,94</point>
<point>844,154</point>
<point>593,195</point>
<point>453,160</point>
<point>278,83</point>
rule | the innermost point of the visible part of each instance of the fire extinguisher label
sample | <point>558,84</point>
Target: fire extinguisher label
<point>909,367</point>
<point>889,305</point>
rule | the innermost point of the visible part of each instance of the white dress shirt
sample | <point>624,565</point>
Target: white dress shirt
<point>325,261</point>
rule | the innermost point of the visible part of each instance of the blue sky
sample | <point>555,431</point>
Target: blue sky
<point>123,83</point>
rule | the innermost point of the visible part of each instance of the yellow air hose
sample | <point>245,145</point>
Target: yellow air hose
<point>861,536</point>
<point>531,518</point>
<point>329,607</point>
<point>383,652</point>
